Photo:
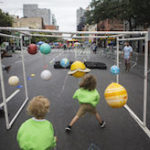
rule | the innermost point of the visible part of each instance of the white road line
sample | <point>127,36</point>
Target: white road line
<point>55,57</point>
<point>18,61</point>
<point>63,87</point>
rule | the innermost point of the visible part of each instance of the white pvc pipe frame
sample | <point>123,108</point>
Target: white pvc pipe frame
<point>105,34</point>
<point>5,100</point>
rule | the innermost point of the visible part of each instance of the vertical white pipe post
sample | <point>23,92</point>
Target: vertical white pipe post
<point>30,40</point>
<point>23,67</point>
<point>145,80</point>
<point>117,76</point>
<point>4,93</point>
<point>96,35</point>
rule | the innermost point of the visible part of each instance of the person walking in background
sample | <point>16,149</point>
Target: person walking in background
<point>94,47</point>
<point>127,53</point>
<point>88,98</point>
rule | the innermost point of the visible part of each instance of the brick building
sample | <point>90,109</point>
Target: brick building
<point>33,23</point>
<point>110,25</point>
<point>51,27</point>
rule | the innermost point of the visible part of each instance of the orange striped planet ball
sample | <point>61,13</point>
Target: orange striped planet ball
<point>116,95</point>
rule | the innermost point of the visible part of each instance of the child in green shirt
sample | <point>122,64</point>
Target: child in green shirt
<point>88,98</point>
<point>37,133</point>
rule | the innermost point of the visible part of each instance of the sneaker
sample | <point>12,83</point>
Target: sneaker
<point>2,113</point>
<point>68,129</point>
<point>3,54</point>
<point>102,124</point>
<point>7,68</point>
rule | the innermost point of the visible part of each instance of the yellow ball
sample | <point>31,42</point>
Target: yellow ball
<point>13,80</point>
<point>78,69</point>
<point>116,95</point>
<point>78,74</point>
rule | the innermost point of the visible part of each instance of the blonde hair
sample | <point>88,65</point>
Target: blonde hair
<point>88,82</point>
<point>38,107</point>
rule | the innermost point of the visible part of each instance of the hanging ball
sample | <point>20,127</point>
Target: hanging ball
<point>32,49</point>
<point>13,80</point>
<point>45,48</point>
<point>64,62</point>
<point>46,75</point>
<point>78,69</point>
<point>114,70</point>
<point>115,95</point>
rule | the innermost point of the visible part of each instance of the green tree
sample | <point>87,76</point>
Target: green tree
<point>36,39</point>
<point>5,21</point>
<point>136,12</point>
<point>141,12</point>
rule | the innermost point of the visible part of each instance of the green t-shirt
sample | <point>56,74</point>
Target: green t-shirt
<point>85,96</point>
<point>36,135</point>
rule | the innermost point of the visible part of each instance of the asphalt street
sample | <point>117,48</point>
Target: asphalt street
<point>121,132</point>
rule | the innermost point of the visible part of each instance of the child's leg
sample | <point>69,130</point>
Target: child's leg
<point>128,65</point>
<point>125,65</point>
<point>98,117</point>
<point>101,122</point>
<point>75,118</point>
<point>81,111</point>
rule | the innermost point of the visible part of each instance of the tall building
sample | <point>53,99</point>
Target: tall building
<point>53,20</point>
<point>80,18</point>
<point>32,10</point>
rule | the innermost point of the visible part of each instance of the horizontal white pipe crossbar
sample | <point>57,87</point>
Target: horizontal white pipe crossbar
<point>25,33</point>
<point>131,39</point>
<point>79,32</point>
<point>41,35</point>
<point>136,118</point>
<point>102,36</point>
<point>10,97</point>
<point>76,37</point>
<point>11,36</point>
<point>95,36</point>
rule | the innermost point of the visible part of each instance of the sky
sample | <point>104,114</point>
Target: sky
<point>64,10</point>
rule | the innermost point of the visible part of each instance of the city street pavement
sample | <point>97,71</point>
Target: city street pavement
<point>121,131</point>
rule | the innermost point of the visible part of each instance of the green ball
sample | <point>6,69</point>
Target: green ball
<point>45,48</point>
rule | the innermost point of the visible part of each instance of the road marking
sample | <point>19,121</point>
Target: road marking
<point>63,87</point>
<point>18,61</point>
<point>55,57</point>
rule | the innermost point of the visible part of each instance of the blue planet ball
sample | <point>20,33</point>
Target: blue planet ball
<point>114,70</point>
<point>45,48</point>
<point>64,62</point>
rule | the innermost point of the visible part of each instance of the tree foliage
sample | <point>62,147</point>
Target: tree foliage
<point>5,19</point>
<point>136,12</point>
<point>36,39</point>
<point>141,12</point>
